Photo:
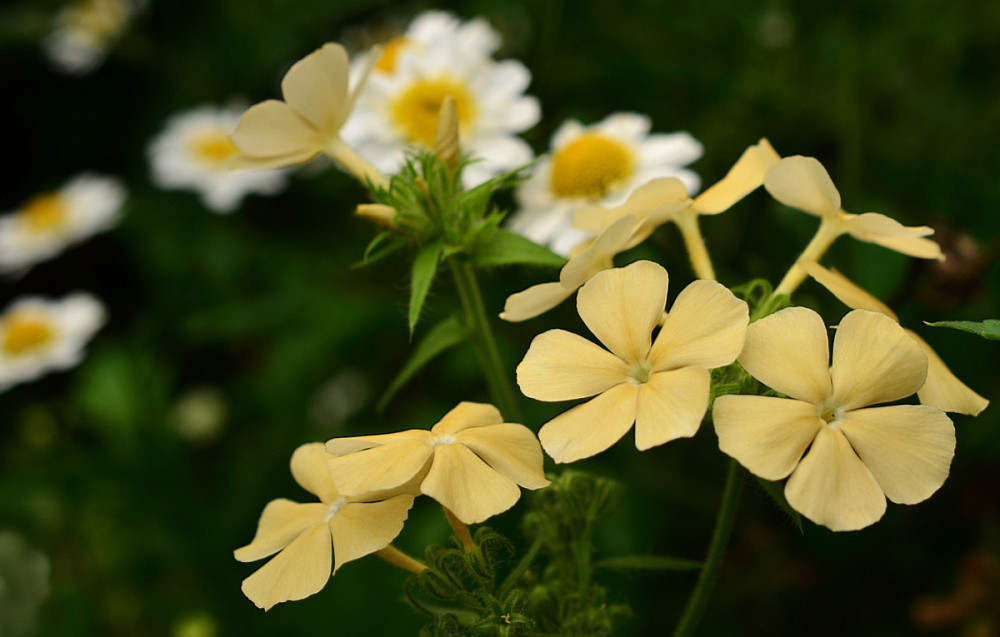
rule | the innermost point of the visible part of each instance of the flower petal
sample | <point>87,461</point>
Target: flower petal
<point>889,233</point>
<point>344,446</point>
<point>309,470</point>
<point>767,435</point>
<point>466,415</point>
<point>464,484</point>
<point>560,365</point>
<point>943,389</point>
<point>832,487</point>
<point>670,406</point>
<point>534,301</point>
<point>622,306</point>
<point>590,428</point>
<point>706,327</point>
<point>874,361</point>
<point>599,254</point>
<point>281,522</point>
<point>272,128</point>
<point>666,192</point>
<point>849,293</point>
<point>511,449</point>
<point>908,448</point>
<point>379,468</point>
<point>360,528</point>
<point>301,570</point>
<point>802,183</point>
<point>316,87</point>
<point>788,351</point>
<point>746,175</point>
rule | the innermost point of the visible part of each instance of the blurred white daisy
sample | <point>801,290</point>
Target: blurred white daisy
<point>38,335</point>
<point>84,31</point>
<point>192,151</point>
<point>399,106</point>
<point>600,164</point>
<point>44,225</point>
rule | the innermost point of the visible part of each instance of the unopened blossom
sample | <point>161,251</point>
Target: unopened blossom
<point>843,454</point>
<point>84,31</point>
<point>46,224</point>
<point>942,389</point>
<point>661,386</point>
<point>310,538</point>
<point>192,153</point>
<point>471,462</point>
<point>39,335</point>
<point>599,164</point>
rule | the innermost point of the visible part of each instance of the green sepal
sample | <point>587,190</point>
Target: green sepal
<point>990,328</point>
<point>445,334</point>
<point>376,251</point>
<point>504,247</point>
<point>648,563</point>
<point>424,268</point>
<point>776,492</point>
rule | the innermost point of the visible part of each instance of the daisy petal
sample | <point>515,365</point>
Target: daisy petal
<point>590,428</point>
<point>746,175</point>
<point>309,470</point>
<point>670,406</point>
<point>510,449</point>
<point>767,435</point>
<point>622,306</point>
<point>281,522</point>
<point>273,128</point>
<point>889,233</point>
<point>534,301</point>
<point>467,415</point>
<point>467,486</point>
<point>316,87</point>
<point>360,528</point>
<point>788,351</point>
<point>849,293</point>
<point>301,570</point>
<point>379,468</point>
<point>560,365</point>
<point>706,327</point>
<point>802,183</point>
<point>908,448</point>
<point>943,389</point>
<point>874,361</point>
<point>832,487</point>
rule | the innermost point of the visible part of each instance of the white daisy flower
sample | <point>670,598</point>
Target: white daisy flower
<point>399,106</point>
<point>192,151</point>
<point>38,335</point>
<point>600,164</point>
<point>44,225</point>
<point>84,31</point>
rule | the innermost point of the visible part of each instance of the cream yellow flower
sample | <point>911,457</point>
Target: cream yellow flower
<point>471,462</point>
<point>844,456</point>
<point>661,386</point>
<point>942,389</point>
<point>309,537</point>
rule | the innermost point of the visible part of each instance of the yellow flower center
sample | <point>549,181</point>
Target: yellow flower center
<point>24,333</point>
<point>590,166</point>
<point>212,147</point>
<point>45,213</point>
<point>640,372</point>
<point>416,109</point>
<point>391,51</point>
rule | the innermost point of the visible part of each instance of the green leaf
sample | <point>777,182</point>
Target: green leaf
<point>376,251</point>
<point>445,334</point>
<point>649,563</point>
<point>776,492</point>
<point>504,248</point>
<point>990,328</point>
<point>424,268</point>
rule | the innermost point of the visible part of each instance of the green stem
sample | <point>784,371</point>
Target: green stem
<point>483,341</point>
<point>713,561</point>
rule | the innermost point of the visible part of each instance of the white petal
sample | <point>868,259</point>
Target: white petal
<point>560,365</point>
<point>802,183</point>
<point>788,351</point>
<point>706,327</point>
<point>670,406</point>
<point>592,427</point>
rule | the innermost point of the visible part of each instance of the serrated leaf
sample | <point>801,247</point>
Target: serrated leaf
<point>649,563</point>
<point>445,334</point>
<point>504,247</point>
<point>990,328</point>
<point>776,492</point>
<point>424,268</point>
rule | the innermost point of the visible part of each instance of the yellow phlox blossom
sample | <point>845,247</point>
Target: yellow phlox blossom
<point>661,386</point>
<point>942,388</point>
<point>309,537</point>
<point>842,456</point>
<point>471,462</point>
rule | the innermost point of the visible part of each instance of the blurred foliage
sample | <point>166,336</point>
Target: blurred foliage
<point>232,340</point>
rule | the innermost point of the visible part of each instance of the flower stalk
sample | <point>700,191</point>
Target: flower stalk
<point>352,163</point>
<point>829,230</point>
<point>461,529</point>
<point>398,558</point>
<point>701,263</point>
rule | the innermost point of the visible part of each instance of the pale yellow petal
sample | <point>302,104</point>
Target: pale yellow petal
<point>273,129</point>
<point>300,570</point>
<point>943,389</point>
<point>344,446</point>
<point>706,327</point>
<point>309,470</point>
<point>889,233</point>
<point>560,365</point>
<point>848,292</point>
<point>767,435</point>
<point>467,486</point>
<point>908,448</point>
<point>592,427</point>
<point>622,306</point>
<point>746,175</point>
<point>379,468</point>
<point>803,183</point>
<point>832,487</point>
<point>670,406</point>
<point>788,351</point>
<point>599,254</point>
<point>467,415</point>
<point>360,528</point>
<point>658,197</point>
<point>281,522</point>
<point>536,300</point>
<point>243,162</point>
<point>874,361</point>
<point>316,87</point>
<point>511,449</point>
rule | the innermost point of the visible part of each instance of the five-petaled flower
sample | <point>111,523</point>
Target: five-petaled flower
<point>844,456</point>
<point>661,386</point>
